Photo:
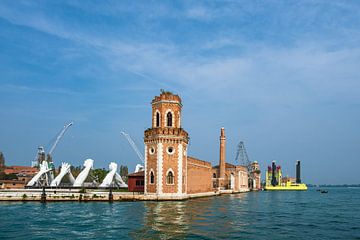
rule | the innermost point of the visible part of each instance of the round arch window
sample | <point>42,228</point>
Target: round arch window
<point>151,150</point>
<point>170,150</point>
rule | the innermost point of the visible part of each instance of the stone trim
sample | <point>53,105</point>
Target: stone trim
<point>180,164</point>
<point>170,153</point>
<point>167,101</point>
<point>159,175</point>
<point>172,119</point>
<point>198,165</point>
<point>145,171</point>
<point>154,119</point>
<point>151,171</point>
<point>150,151</point>
<point>169,170</point>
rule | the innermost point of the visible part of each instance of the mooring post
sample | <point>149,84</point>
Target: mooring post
<point>111,197</point>
<point>43,196</point>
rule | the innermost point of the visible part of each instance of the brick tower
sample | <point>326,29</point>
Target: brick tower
<point>222,159</point>
<point>165,148</point>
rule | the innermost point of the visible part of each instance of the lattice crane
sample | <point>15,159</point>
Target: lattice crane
<point>242,156</point>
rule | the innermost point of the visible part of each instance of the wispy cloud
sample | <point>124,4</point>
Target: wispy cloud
<point>238,56</point>
<point>257,66</point>
<point>23,88</point>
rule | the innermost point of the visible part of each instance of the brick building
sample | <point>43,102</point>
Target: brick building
<point>21,170</point>
<point>169,171</point>
<point>136,182</point>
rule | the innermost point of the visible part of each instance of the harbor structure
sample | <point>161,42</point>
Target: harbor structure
<point>275,180</point>
<point>255,181</point>
<point>169,171</point>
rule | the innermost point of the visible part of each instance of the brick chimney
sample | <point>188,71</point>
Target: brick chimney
<point>222,153</point>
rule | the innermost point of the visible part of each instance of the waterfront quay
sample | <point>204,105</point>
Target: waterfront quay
<point>53,195</point>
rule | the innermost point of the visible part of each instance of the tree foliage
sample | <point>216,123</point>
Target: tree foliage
<point>124,172</point>
<point>99,174</point>
<point>2,160</point>
<point>75,170</point>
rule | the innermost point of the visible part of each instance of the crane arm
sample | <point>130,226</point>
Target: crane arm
<point>58,138</point>
<point>133,145</point>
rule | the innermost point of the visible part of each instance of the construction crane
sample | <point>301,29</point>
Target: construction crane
<point>41,151</point>
<point>58,138</point>
<point>242,156</point>
<point>138,167</point>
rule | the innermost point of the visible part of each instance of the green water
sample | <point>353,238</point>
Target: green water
<point>254,215</point>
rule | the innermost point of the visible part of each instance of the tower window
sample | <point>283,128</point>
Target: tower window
<point>170,178</point>
<point>152,150</point>
<point>152,178</point>
<point>170,150</point>
<point>169,119</point>
<point>214,175</point>
<point>157,119</point>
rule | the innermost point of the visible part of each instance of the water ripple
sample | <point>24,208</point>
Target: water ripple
<point>258,215</point>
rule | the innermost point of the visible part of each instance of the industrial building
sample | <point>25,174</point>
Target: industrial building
<point>171,172</point>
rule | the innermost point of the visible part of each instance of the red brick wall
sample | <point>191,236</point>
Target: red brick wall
<point>199,176</point>
<point>132,187</point>
<point>151,164</point>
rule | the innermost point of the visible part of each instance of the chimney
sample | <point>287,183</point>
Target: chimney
<point>298,179</point>
<point>273,178</point>
<point>222,153</point>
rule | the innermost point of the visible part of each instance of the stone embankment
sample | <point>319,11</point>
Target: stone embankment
<point>53,195</point>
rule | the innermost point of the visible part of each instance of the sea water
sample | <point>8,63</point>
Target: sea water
<point>253,215</point>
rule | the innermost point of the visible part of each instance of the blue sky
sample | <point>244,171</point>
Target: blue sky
<point>283,76</point>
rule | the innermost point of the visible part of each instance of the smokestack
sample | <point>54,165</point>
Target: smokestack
<point>298,179</point>
<point>222,153</point>
<point>273,178</point>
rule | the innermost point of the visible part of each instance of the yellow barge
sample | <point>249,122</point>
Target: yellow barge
<point>275,181</point>
<point>289,186</point>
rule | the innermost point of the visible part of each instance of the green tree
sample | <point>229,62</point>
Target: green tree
<point>124,172</point>
<point>99,174</point>
<point>10,176</point>
<point>2,161</point>
<point>75,170</point>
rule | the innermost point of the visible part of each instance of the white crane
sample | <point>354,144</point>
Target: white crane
<point>58,138</point>
<point>41,150</point>
<point>138,167</point>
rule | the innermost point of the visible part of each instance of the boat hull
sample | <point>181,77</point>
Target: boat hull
<point>298,187</point>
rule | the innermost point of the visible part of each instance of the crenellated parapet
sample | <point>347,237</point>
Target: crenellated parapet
<point>165,97</point>
<point>166,133</point>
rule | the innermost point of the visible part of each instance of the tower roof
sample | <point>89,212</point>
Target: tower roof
<point>166,96</point>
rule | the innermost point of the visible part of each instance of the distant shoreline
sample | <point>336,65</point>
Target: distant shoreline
<point>333,185</point>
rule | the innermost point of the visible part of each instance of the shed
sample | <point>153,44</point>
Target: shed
<point>136,182</point>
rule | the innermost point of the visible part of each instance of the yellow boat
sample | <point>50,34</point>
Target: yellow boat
<point>289,186</point>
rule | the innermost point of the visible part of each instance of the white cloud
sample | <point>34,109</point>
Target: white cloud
<point>261,72</point>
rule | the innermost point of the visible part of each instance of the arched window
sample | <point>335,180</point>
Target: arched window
<point>157,119</point>
<point>170,178</point>
<point>214,175</point>
<point>169,119</point>
<point>152,178</point>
